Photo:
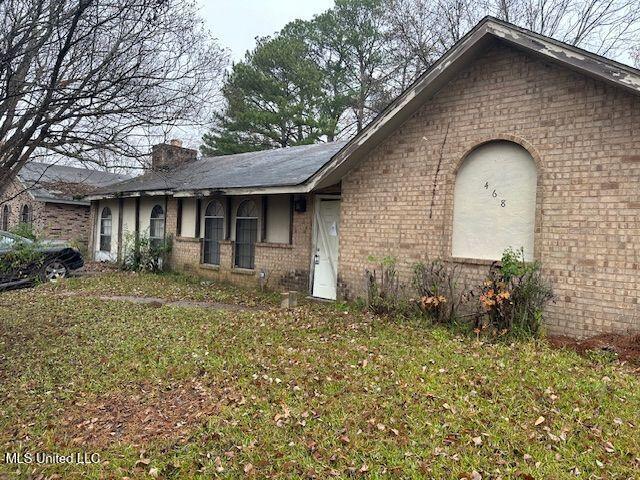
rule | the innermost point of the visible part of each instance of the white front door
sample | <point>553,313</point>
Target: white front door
<point>325,276</point>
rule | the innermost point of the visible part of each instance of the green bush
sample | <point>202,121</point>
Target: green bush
<point>141,254</point>
<point>24,230</point>
<point>514,295</point>
<point>22,260</point>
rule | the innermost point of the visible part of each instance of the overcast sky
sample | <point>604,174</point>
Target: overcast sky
<point>236,23</point>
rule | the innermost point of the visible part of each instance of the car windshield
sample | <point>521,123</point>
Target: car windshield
<point>8,239</point>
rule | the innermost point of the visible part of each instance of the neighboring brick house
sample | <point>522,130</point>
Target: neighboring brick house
<point>49,197</point>
<point>510,139</point>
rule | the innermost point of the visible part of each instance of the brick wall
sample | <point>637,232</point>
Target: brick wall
<point>286,266</point>
<point>585,138</point>
<point>57,221</point>
<point>16,197</point>
<point>66,222</point>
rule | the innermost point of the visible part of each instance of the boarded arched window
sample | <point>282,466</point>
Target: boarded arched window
<point>105,230</point>
<point>6,213</point>
<point>25,214</point>
<point>213,232</point>
<point>246,234</point>
<point>494,202</point>
<point>156,226</point>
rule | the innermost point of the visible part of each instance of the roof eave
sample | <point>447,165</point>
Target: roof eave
<point>587,63</point>
<point>488,30</point>
<point>204,192</point>
<point>129,194</point>
<point>62,201</point>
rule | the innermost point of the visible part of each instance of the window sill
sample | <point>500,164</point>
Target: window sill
<point>208,266</point>
<point>274,245</point>
<point>473,261</point>
<point>188,239</point>
<point>243,271</point>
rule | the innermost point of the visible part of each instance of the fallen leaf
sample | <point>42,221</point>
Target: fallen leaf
<point>540,420</point>
<point>143,461</point>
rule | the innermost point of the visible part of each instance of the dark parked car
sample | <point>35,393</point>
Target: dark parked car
<point>46,260</point>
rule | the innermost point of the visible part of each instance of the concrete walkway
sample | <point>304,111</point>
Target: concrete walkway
<point>159,302</point>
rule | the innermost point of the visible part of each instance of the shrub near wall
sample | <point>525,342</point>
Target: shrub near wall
<point>514,295</point>
<point>511,300</point>
<point>141,254</point>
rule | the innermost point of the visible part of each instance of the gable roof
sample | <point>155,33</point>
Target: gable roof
<point>488,30</point>
<point>310,167</point>
<point>281,168</point>
<point>61,184</point>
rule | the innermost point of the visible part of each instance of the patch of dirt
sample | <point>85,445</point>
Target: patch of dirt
<point>147,414</point>
<point>95,268</point>
<point>626,347</point>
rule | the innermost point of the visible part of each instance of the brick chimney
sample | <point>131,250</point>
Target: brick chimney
<point>166,156</point>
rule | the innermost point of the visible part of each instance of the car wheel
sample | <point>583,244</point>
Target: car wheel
<point>53,270</point>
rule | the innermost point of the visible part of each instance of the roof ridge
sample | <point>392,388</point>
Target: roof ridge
<point>82,169</point>
<point>276,149</point>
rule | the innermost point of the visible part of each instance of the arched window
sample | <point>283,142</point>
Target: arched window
<point>6,213</point>
<point>156,226</point>
<point>213,232</point>
<point>494,202</point>
<point>105,230</point>
<point>25,214</point>
<point>246,234</point>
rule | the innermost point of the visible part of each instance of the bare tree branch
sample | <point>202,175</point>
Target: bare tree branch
<point>83,77</point>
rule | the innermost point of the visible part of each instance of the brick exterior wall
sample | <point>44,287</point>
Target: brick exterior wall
<point>286,266</point>
<point>56,221</point>
<point>66,222</point>
<point>15,197</point>
<point>585,138</point>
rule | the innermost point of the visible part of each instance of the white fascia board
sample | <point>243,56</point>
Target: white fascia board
<point>302,188</point>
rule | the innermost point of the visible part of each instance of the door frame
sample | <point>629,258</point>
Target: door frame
<point>314,235</point>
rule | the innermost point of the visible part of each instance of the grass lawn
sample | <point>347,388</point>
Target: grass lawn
<point>318,392</point>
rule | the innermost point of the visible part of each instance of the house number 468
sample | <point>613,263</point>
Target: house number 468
<point>494,194</point>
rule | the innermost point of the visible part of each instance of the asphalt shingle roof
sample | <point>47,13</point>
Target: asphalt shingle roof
<point>266,168</point>
<point>59,183</point>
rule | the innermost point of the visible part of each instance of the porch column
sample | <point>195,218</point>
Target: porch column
<point>120,223</point>
<point>93,226</point>
<point>137,227</point>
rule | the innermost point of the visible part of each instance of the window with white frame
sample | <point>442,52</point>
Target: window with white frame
<point>156,227</point>
<point>495,202</point>
<point>105,230</point>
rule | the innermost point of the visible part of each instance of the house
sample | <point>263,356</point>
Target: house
<point>49,197</point>
<point>510,139</point>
